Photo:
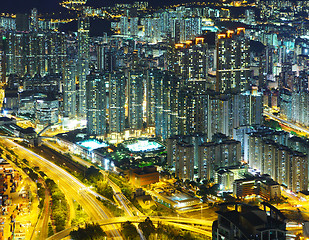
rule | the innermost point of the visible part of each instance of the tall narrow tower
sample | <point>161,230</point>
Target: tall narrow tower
<point>34,23</point>
<point>83,63</point>
<point>69,93</point>
<point>96,104</point>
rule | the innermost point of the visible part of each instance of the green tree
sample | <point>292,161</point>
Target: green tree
<point>147,227</point>
<point>104,189</point>
<point>93,174</point>
<point>89,232</point>
<point>129,231</point>
<point>50,230</point>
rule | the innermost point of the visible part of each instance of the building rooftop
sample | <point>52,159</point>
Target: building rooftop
<point>92,144</point>
<point>142,145</point>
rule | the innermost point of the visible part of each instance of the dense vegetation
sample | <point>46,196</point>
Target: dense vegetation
<point>150,232</point>
<point>89,232</point>
<point>59,205</point>
<point>126,188</point>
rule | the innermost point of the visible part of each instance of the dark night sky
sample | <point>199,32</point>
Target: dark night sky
<point>24,6</point>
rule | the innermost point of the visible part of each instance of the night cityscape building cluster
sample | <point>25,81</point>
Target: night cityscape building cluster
<point>210,95</point>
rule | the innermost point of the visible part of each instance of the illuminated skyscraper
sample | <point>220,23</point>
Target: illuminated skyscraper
<point>34,21</point>
<point>189,60</point>
<point>213,155</point>
<point>286,166</point>
<point>35,53</point>
<point>83,63</point>
<point>166,86</point>
<point>101,58</point>
<point>135,99</point>
<point>96,104</point>
<point>55,52</point>
<point>2,62</point>
<point>69,91</point>
<point>192,112</point>
<point>117,83</point>
<point>134,26</point>
<point>15,50</point>
<point>250,108</point>
<point>233,58</point>
<point>124,25</point>
<point>184,160</point>
<point>190,28</point>
<point>153,93</point>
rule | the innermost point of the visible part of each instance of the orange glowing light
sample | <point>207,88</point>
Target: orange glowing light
<point>179,45</point>
<point>199,40</point>
<point>230,33</point>
<point>239,30</point>
<point>221,35</point>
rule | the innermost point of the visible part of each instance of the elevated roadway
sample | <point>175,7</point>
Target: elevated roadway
<point>289,124</point>
<point>183,223</point>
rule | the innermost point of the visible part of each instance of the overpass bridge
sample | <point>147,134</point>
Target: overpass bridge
<point>188,224</point>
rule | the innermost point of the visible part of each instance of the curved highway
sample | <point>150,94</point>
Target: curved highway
<point>71,187</point>
<point>183,223</point>
<point>289,124</point>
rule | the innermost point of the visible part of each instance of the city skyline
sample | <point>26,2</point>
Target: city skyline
<point>173,121</point>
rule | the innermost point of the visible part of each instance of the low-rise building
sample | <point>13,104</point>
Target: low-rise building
<point>264,186</point>
<point>144,176</point>
<point>249,223</point>
<point>269,189</point>
<point>28,134</point>
<point>244,187</point>
<point>225,176</point>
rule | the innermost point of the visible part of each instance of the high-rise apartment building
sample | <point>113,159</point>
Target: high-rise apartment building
<point>69,90</point>
<point>35,53</point>
<point>124,25</point>
<point>83,62</point>
<point>2,63</point>
<point>184,160</point>
<point>190,27</point>
<point>192,153</point>
<point>134,26</point>
<point>166,105</point>
<point>34,21</point>
<point>213,155</point>
<point>192,112</point>
<point>190,59</point>
<point>284,165</point>
<point>117,100</point>
<point>96,104</point>
<point>153,87</point>
<point>135,89</point>
<point>232,64</point>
